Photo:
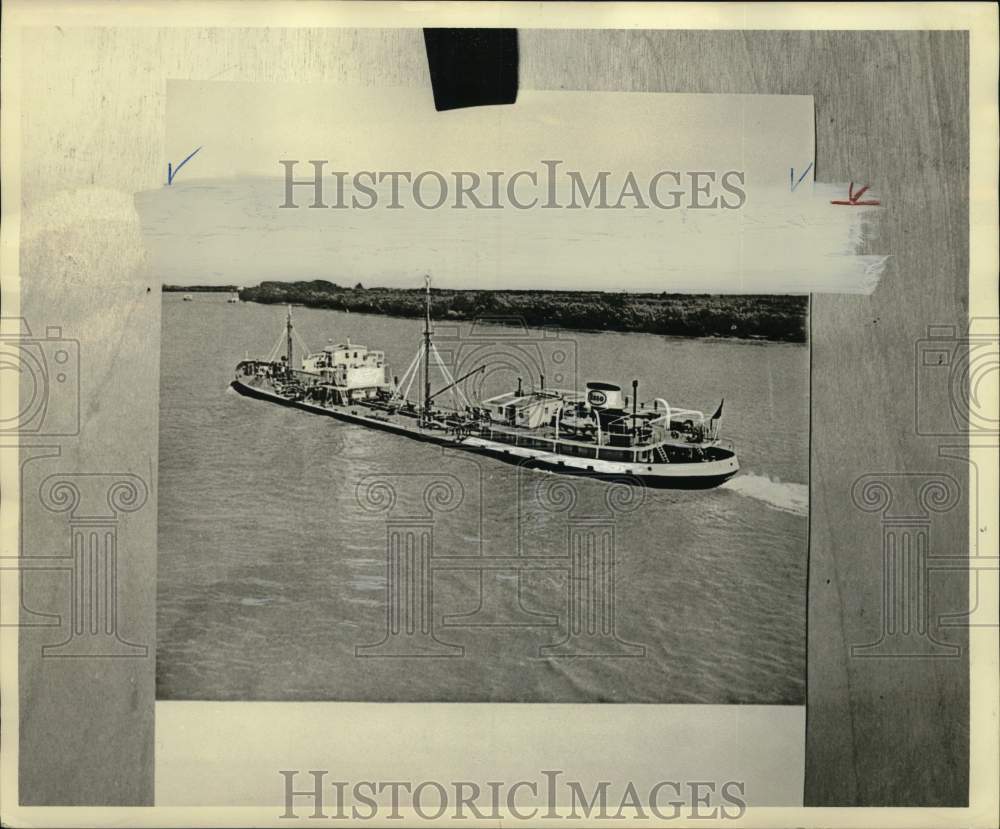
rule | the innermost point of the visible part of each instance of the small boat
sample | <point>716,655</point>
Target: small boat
<point>233,298</point>
<point>596,432</point>
<point>188,298</point>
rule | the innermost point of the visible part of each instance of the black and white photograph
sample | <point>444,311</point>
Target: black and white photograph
<point>511,496</point>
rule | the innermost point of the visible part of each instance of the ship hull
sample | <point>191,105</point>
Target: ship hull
<point>701,475</point>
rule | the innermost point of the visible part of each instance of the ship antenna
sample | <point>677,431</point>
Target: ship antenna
<point>288,326</point>
<point>427,346</point>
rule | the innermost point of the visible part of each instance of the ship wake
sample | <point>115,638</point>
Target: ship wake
<point>787,497</point>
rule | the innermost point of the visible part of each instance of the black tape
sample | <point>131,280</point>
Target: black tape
<point>472,67</point>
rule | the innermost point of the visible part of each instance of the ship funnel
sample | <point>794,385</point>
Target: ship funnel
<point>605,396</point>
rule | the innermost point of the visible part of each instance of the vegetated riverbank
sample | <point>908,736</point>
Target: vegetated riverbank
<point>778,318</point>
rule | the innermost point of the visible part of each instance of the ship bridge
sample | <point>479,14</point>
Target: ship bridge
<point>348,366</point>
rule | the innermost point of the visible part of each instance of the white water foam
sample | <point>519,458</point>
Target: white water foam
<point>793,498</point>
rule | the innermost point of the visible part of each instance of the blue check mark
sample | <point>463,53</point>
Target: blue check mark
<point>173,171</point>
<point>792,183</point>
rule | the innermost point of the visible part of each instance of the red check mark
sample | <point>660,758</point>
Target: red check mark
<point>854,199</point>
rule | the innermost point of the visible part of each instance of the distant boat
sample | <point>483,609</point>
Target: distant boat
<point>233,298</point>
<point>188,298</point>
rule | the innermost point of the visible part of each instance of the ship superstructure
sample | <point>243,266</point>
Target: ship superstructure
<point>598,431</point>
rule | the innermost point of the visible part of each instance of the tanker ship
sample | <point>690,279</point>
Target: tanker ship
<point>597,431</point>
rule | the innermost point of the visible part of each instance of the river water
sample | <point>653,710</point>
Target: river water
<point>272,549</point>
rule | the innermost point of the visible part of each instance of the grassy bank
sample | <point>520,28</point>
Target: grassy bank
<point>779,318</point>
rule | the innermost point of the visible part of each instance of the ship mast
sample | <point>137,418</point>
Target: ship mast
<point>288,328</point>
<point>427,346</point>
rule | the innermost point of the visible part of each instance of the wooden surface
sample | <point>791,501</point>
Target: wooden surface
<point>890,110</point>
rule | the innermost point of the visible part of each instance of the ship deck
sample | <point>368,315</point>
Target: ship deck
<point>449,425</point>
<point>709,467</point>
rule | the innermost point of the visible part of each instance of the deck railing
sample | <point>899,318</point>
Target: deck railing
<point>642,453</point>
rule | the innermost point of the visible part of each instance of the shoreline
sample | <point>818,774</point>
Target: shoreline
<point>740,317</point>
